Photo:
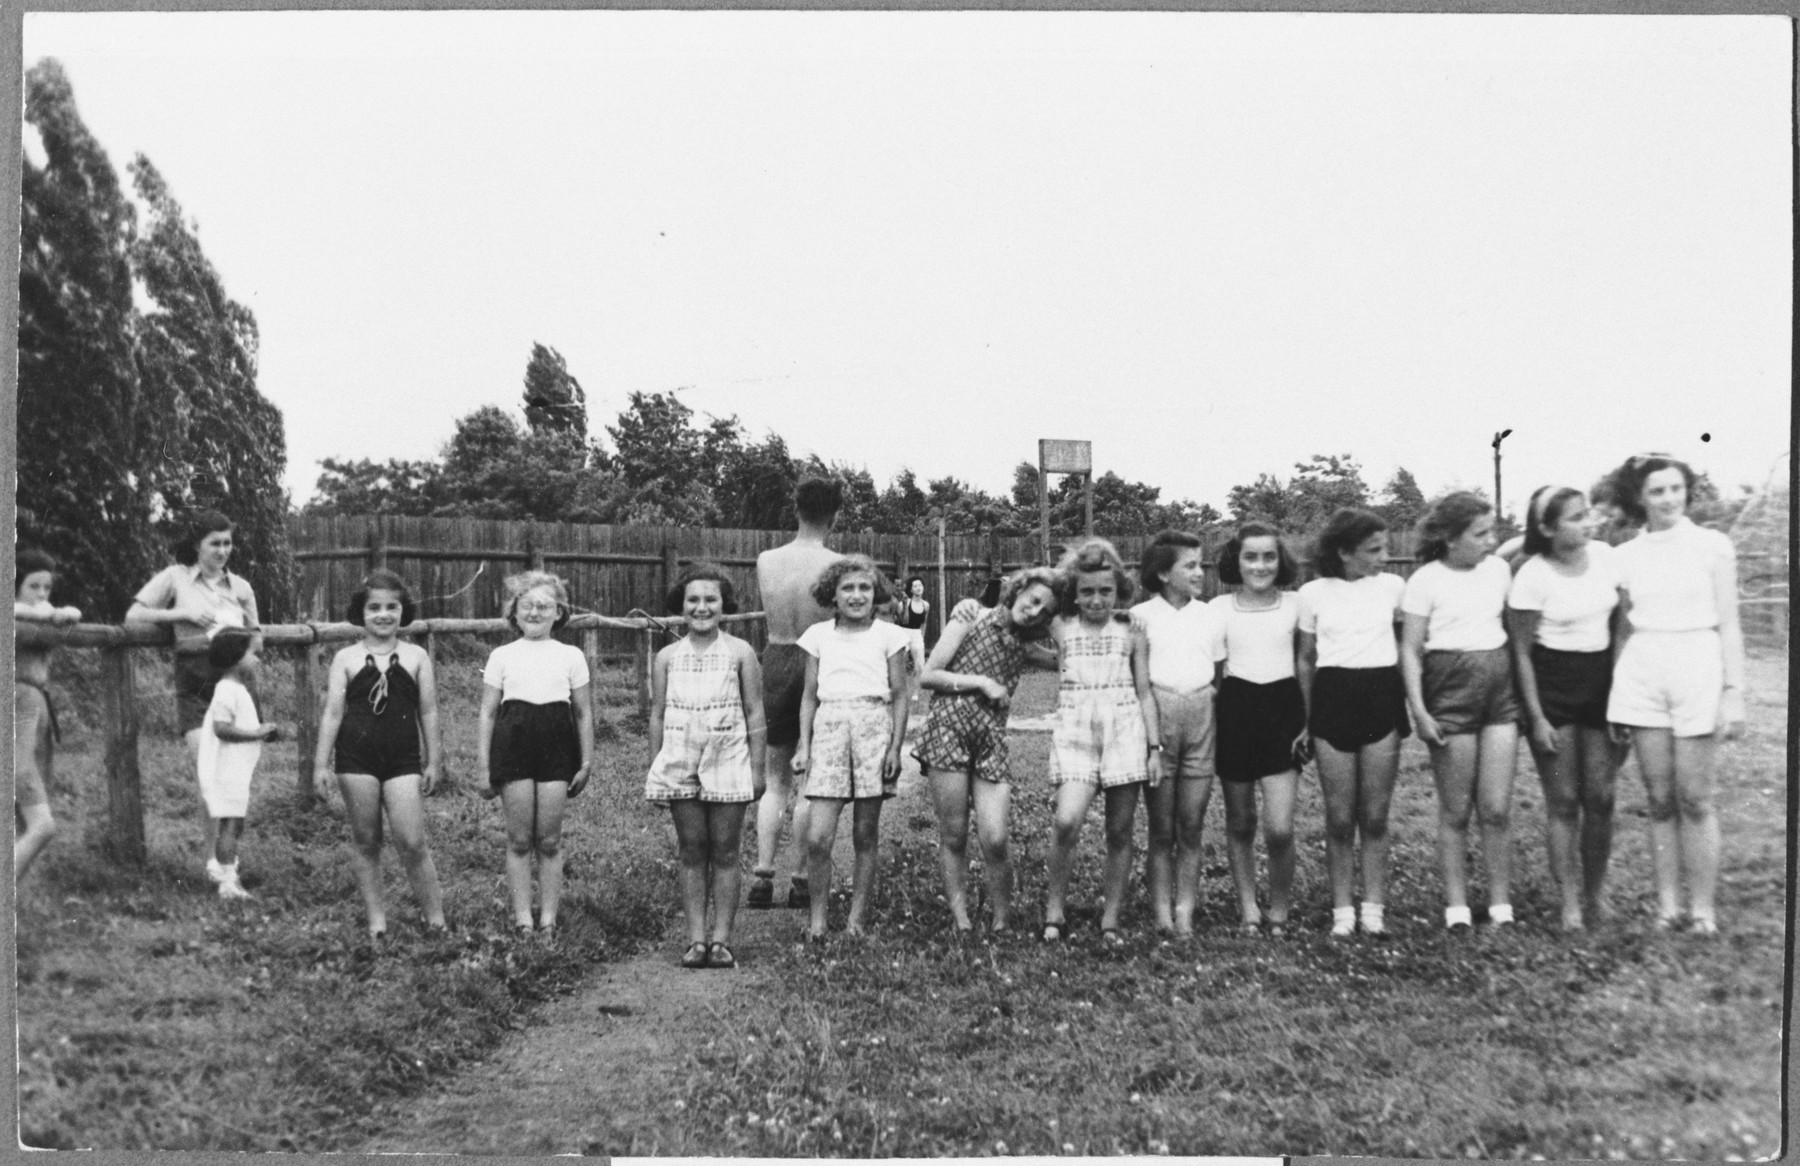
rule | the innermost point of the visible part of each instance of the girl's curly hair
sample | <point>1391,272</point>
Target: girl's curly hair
<point>1095,554</point>
<point>1445,521</point>
<point>526,581</point>
<point>699,572</point>
<point>381,579</point>
<point>824,591</point>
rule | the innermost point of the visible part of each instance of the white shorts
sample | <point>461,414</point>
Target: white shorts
<point>1669,680</point>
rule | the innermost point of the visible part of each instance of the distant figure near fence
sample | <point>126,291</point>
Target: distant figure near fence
<point>785,575</point>
<point>34,718</point>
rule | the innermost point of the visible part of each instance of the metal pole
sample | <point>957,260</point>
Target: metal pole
<point>1043,508</point>
<point>1498,438</point>
<point>943,611</point>
<point>1087,494</point>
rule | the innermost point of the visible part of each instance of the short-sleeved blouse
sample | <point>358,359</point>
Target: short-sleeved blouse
<point>229,598</point>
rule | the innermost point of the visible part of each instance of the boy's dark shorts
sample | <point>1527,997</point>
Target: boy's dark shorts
<point>784,683</point>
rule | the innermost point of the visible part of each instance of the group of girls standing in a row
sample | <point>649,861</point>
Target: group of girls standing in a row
<point>1588,647</point>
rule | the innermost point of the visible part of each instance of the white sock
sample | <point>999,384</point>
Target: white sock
<point>1458,917</point>
<point>1343,920</point>
<point>1500,913</point>
<point>1374,917</point>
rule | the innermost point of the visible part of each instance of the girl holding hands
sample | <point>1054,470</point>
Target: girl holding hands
<point>379,735</point>
<point>1459,684</point>
<point>1678,675</point>
<point>536,739</point>
<point>1262,716</point>
<point>852,727</point>
<point>1105,722</point>
<point>706,726</point>
<point>1186,644</point>
<point>1562,614</point>
<point>1356,705</point>
<point>973,671</point>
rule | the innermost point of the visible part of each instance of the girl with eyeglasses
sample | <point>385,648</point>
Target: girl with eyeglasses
<point>536,740</point>
<point>379,736</point>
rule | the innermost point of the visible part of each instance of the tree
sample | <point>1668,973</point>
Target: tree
<point>756,486</point>
<point>1401,500</point>
<point>228,447</point>
<point>89,481</point>
<point>1320,485</point>
<point>554,401</point>
<point>411,488</point>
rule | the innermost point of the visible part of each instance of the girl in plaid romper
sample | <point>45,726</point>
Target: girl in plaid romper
<point>973,672</point>
<point>1106,726</point>
<point>706,719</point>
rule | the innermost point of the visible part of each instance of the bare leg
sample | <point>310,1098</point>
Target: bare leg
<point>362,803</point>
<point>1496,761</point>
<point>1191,796</point>
<point>725,834</point>
<point>1278,837</point>
<point>1072,801</point>
<point>1240,834</point>
<point>691,844</point>
<point>519,800</point>
<point>1159,864</point>
<point>40,827</point>
<point>865,838</point>
<point>1599,772</point>
<point>951,790</point>
<point>209,828</point>
<point>1698,826</point>
<point>1453,767</point>
<point>992,800</point>
<point>1337,784</point>
<point>406,828</point>
<point>1655,750</point>
<point>1377,766</point>
<point>821,832</point>
<point>230,831</point>
<point>771,812</point>
<point>1560,775</point>
<point>1121,810</point>
<point>551,795</point>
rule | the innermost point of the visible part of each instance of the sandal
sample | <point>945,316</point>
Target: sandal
<point>719,956</point>
<point>695,956</point>
<point>1053,930</point>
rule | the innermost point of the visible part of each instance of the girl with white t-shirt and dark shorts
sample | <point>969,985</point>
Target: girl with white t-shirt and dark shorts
<point>1262,740</point>
<point>1678,674</point>
<point>1561,614</point>
<point>1459,683</point>
<point>1356,705</point>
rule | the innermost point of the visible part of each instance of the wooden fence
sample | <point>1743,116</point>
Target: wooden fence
<point>456,565</point>
<point>300,642</point>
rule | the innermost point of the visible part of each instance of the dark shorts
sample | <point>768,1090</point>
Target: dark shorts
<point>1573,686</point>
<point>1467,691</point>
<point>195,680</point>
<point>379,747</point>
<point>1353,707</point>
<point>534,742</point>
<point>1257,727</point>
<point>784,682</point>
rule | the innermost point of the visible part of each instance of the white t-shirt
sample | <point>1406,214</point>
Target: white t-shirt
<point>1354,622</point>
<point>227,766</point>
<point>536,671</point>
<point>1576,610</point>
<point>853,664</point>
<point>1464,607</point>
<point>1668,575</point>
<point>1259,643</point>
<point>1184,644</point>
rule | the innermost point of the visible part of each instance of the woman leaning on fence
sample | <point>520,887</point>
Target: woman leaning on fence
<point>197,595</point>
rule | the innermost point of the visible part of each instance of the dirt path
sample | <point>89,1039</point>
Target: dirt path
<point>616,1046</point>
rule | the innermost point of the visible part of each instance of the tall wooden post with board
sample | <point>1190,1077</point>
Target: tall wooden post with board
<point>1063,457</point>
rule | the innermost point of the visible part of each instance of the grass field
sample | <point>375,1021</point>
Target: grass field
<point>151,1016</point>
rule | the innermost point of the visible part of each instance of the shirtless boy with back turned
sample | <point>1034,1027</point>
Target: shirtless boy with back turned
<point>785,575</point>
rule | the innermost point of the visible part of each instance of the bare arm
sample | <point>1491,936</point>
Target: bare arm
<point>1521,633</point>
<point>431,737</point>
<point>1731,637</point>
<point>755,720</point>
<point>659,692</point>
<point>1621,631</point>
<point>1306,666</point>
<point>583,700</point>
<point>484,735</point>
<point>1412,671</point>
<point>898,706</point>
<point>1140,680</point>
<point>809,704</point>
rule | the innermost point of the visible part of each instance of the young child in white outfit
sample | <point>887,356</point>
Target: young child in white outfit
<point>229,749</point>
<point>706,726</point>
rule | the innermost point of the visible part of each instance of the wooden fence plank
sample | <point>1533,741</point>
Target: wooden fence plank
<point>124,783</point>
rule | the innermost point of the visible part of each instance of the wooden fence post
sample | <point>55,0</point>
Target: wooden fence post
<point>671,570</point>
<point>306,717</point>
<point>124,786</point>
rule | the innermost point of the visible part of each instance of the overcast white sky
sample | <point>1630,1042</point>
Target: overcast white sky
<point>1213,244</point>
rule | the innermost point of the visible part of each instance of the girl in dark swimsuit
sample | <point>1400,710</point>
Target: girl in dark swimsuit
<point>379,736</point>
